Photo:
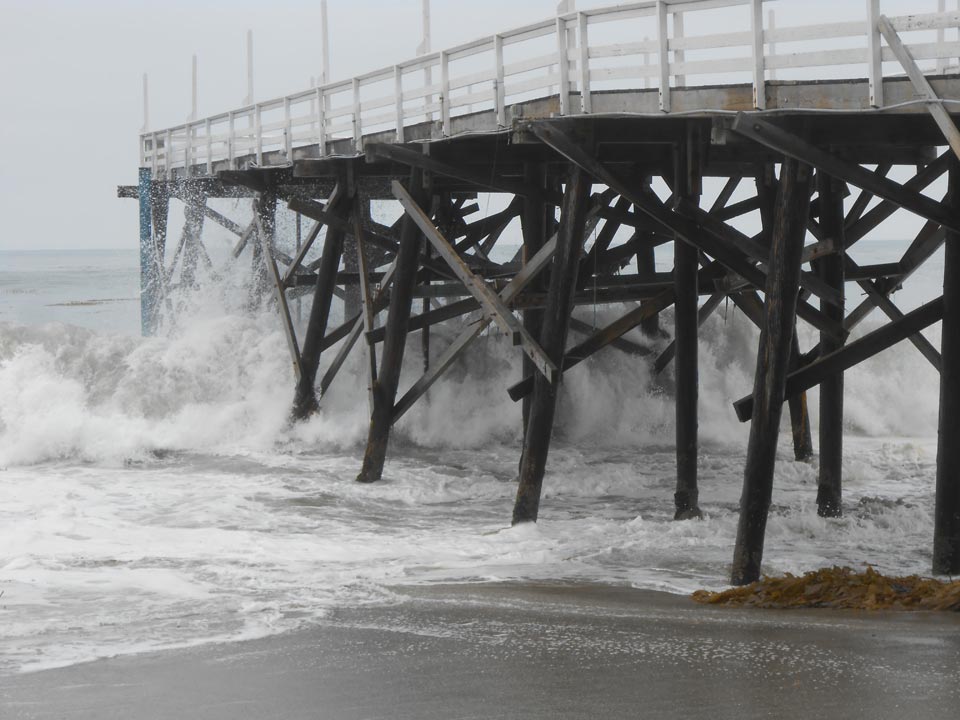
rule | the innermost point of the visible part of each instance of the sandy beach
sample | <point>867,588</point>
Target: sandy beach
<point>531,651</point>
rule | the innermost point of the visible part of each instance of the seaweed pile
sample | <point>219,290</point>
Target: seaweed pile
<point>841,587</point>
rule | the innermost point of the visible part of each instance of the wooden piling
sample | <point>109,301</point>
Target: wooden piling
<point>830,269</point>
<point>149,267</point>
<point>533,223</point>
<point>553,337</point>
<point>946,529</point>
<point>398,318</point>
<point>687,297</point>
<point>799,413</point>
<point>305,398</point>
<point>773,356</point>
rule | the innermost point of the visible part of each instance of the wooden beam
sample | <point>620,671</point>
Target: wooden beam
<point>946,514</point>
<point>553,336</point>
<point>265,232</point>
<point>719,248</point>
<point>920,84</point>
<point>830,268</point>
<point>305,399</point>
<point>796,147</point>
<point>493,306</point>
<point>773,356</point>
<point>412,158</point>
<point>853,353</point>
<point>601,339</point>
<point>520,281</point>
<point>398,317</point>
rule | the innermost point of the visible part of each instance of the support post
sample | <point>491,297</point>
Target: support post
<point>799,413</point>
<point>394,342</point>
<point>149,276</point>
<point>687,297</point>
<point>946,528</point>
<point>553,338</point>
<point>533,221</point>
<point>305,399</point>
<point>830,269</point>
<point>773,355</point>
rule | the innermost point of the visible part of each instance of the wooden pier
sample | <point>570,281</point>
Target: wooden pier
<point>579,147</point>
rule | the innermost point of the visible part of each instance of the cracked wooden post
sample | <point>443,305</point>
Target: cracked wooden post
<point>398,319</point>
<point>686,307</point>
<point>305,397</point>
<point>773,357</point>
<point>830,269</point>
<point>533,221</point>
<point>553,338</point>
<point>946,528</point>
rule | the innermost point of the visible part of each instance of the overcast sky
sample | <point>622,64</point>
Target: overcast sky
<point>70,84</point>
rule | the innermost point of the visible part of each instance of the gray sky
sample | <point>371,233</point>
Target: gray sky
<point>70,79</point>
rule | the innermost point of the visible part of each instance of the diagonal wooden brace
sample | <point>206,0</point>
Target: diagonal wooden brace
<point>493,306</point>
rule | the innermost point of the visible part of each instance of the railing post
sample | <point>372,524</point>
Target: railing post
<point>357,126</point>
<point>563,53</point>
<point>287,130</point>
<point>680,80</point>
<point>187,149</point>
<point>258,129</point>
<point>445,93</point>
<point>941,37</point>
<point>585,100</point>
<point>321,122</point>
<point>167,154</point>
<point>663,52</point>
<point>209,147</point>
<point>874,56</point>
<point>646,66</point>
<point>500,92</point>
<point>771,26</point>
<point>759,69</point>
<point>398,97</point>
<point>231,139</point>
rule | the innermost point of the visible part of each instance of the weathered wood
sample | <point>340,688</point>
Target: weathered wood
<point>773,355</point>
<point>853,353</point>
<point>265,233</point>
<point>192,233</point>
<point>413,158</point>
<point>721,248</point>
<point>686,298</point>
<point>521,280</point>
<point>493,306</point>
<point>946,527</point>
<point>799,412</point>
<point>877,215</point>
<point>398,317</point>
<point>796,147</point>
<point>706,310</point>
<point>305,399</point>
<point>265,212</point>
<point>600,339</point>
<point>553,337</point>
<point>366,302</point>
<point>863,199</point>
<point>830,268</point>
<point>920,84</point>
<point>534,226</point>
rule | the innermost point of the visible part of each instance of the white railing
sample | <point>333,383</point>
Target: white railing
<point>572,57</point>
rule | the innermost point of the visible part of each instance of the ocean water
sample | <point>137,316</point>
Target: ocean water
<point>154,495</point>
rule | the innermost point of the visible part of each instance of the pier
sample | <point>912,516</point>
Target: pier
<point>579,120</point>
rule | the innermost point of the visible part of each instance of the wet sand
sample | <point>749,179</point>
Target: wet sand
<point>531,651</point>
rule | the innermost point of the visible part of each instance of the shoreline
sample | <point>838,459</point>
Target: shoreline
<point>530,650</point>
